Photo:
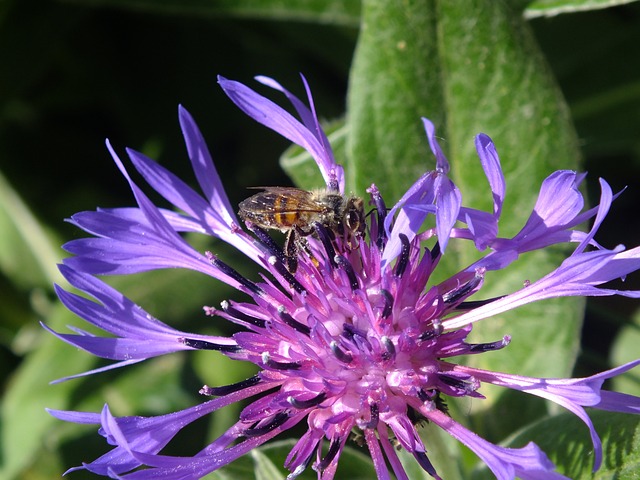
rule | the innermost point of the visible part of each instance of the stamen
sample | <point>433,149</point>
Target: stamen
<point>267,241</point>
<point>375,416</point>
<point>388,345</point>
<point>280,267</point>
<point>333,185</point>
<point>466,385</point>
<point>403,259</point>
<point>344,357</point>
<point>334,448</point>
<point>325,238</point>
<point>227,389</point>
<point>355,335</point>
<point>204,345</point>
<point>312,402</point>
<point>488,347</point>
<point>424,462</point>
<point>436,331</point>
<point>381,210</point>
<point>278,420</point>
<point>226,269</point>
<point>435,252</point>
<point>292,322</point>
<point>266,360</point>
<point>462,291</point>
<point>424,396</point>
<point>343,263</point>
<point>476,303</point>
<point>303,466</point>
<point>234,312</point>
<point>388,303</point>
<point>299,470</point>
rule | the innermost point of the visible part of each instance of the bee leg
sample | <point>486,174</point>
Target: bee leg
<point>304,245</point>
<point>291,251</point>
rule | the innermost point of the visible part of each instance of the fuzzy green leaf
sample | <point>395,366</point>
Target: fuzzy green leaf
<point>470,67</point>
<point>550,8</point>
<point>565,439</point>
<point>26,252</point>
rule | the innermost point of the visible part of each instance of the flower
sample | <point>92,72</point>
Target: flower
<point>359,337</point>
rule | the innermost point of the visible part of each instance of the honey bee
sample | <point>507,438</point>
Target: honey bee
<point>296,212</point>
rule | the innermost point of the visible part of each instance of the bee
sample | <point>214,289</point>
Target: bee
<point>296,212</point>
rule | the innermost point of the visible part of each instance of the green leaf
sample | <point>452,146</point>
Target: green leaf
<point>624,350</point>
<point>22,413</point>
<point>353,464</point>
<point>394,80</point>
<point>265,469</point>
<point>550,8</point>
<point>321,11</point>
<point>443,452</point>
<point>565,439</point>
<point>27,256</point>
<point>154,387</point>
<point>470,67</point>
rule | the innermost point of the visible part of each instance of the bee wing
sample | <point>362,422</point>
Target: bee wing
<point>278,189</point>
<point>265,202</point>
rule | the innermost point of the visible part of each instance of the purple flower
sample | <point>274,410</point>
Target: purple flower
<point>358,338</point>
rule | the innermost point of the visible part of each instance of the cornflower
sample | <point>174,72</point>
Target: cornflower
<point>356,339</point>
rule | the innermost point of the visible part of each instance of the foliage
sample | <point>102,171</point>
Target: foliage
<point>74,72</point>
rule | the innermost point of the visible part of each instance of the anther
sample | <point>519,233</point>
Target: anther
<point>462,291</point>
<point>292,322</point>
<point>488,347</point>
<point>345,265</point>
<point>350,331</point>
<point>235,313</point>
<point>333,185</point>
<point>425,463</point>
<point>303,466</point>
<point>388,303</point>
<point>280,267</point>
<point>312,402</point>
<point>357,336</point>
<point>381,210</point>
<point>435,252</point>
<point>403,259</point>
<point>334,448</point>
<point>298,470</point>
<point>325,238</point>
<point>375,416</point>
<point>424,396</point>
<point>205,345</point>
<point>267,241</point>
<point>476,303</point>
<point>344,357</point>
<point>227,270</point>
<point>277,420</point>
<point>266,360</point>
<point>435,331</point>
<point>467,385</point>
<point>227,389</point>
<point>389,347</point>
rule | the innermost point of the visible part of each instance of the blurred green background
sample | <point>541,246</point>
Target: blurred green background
<point>73,73</point>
